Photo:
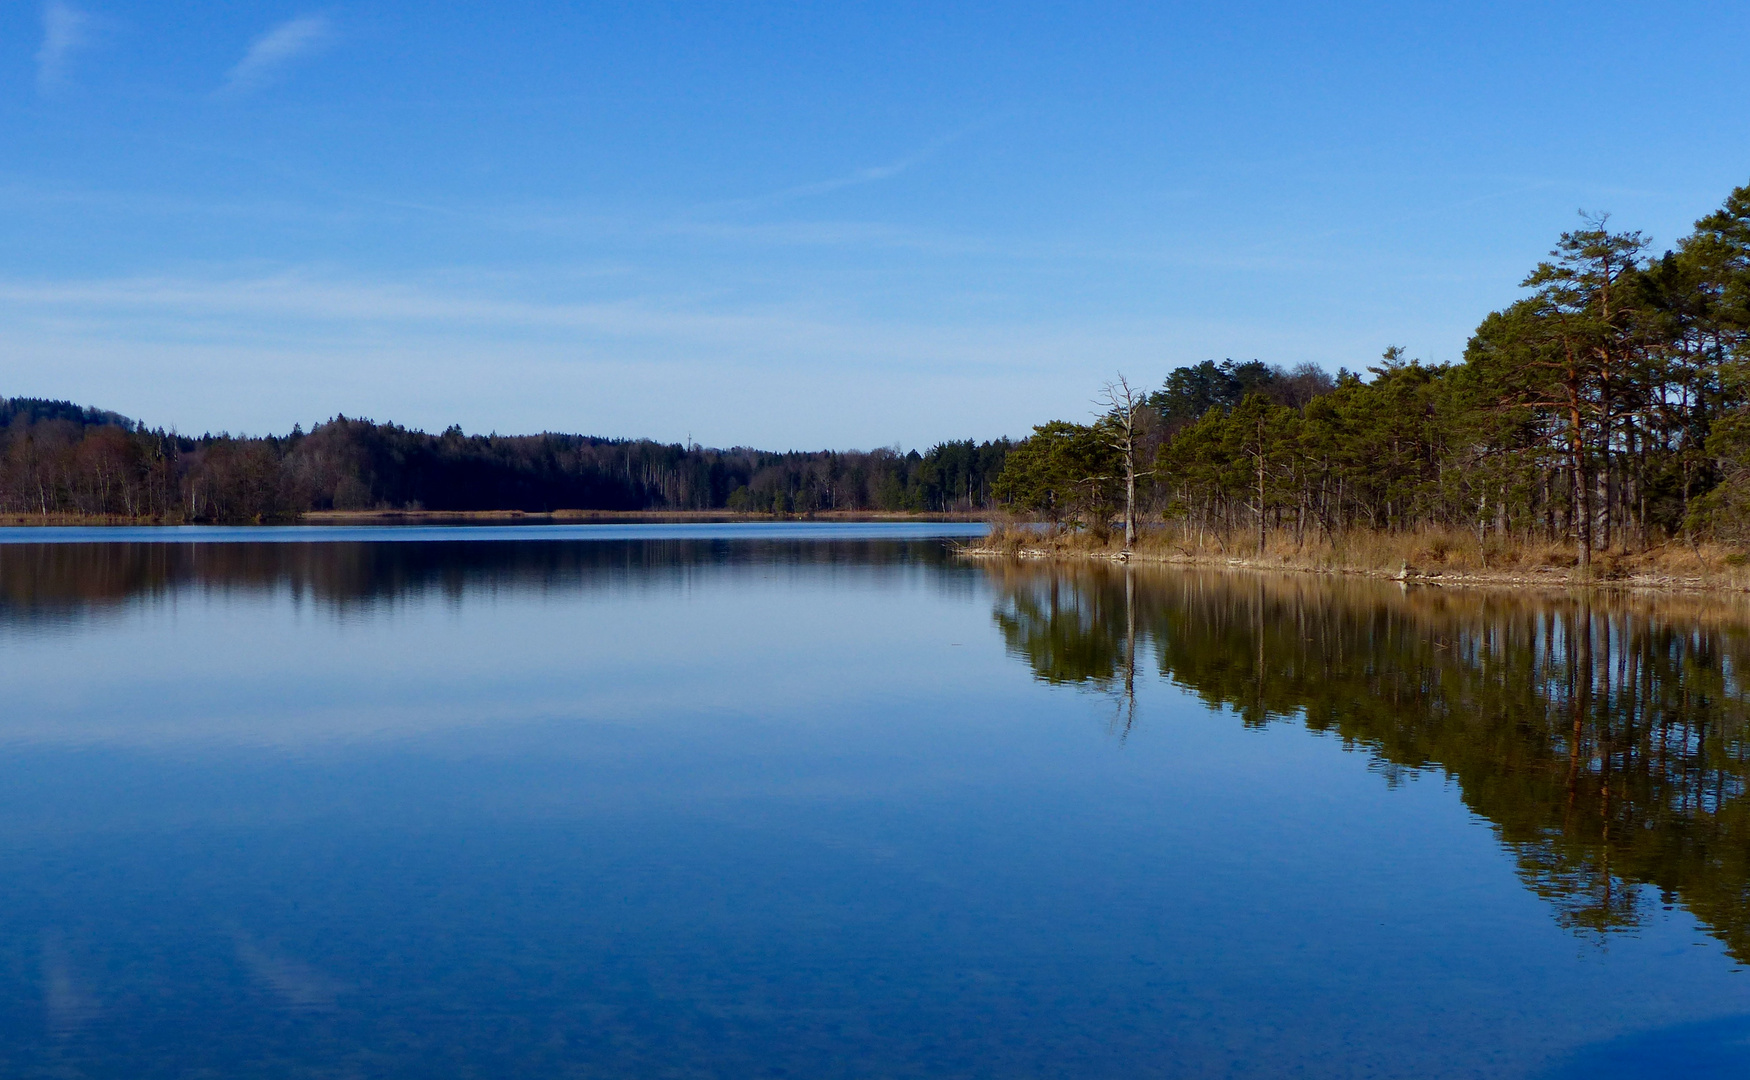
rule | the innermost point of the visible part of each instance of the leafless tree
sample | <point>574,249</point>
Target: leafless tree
<point>1123,405</point>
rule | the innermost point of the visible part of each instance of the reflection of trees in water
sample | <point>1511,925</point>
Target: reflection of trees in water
<point>47,581</point>
<point>1069,632</point>
<point>1604,737</point>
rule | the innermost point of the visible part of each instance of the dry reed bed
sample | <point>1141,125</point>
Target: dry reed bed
<point>1429,556</point>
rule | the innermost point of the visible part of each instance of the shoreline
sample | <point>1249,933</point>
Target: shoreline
<point>1547,578</point>
<point>438,517</point>
<point>486,517</point>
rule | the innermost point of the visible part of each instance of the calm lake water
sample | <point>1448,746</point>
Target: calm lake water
<point>829,801</point>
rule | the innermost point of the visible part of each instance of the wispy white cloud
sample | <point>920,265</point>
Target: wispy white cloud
<point>255,348</point>
<point>873,174</point>
<point>272,311</point>
<point>272,51</point>
<point>66,30</point>
<point>857,178</point>
<point>418,310</point>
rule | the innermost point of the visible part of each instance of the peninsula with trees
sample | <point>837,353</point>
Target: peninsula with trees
<point>1598,425</point>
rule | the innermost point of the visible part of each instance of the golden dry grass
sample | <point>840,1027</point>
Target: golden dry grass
<point>1427,554</point>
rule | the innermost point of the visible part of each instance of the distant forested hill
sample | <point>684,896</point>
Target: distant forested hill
<point>61,458</point>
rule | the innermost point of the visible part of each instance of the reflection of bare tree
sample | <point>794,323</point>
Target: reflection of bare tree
<point>1075,630</point>
<point>1066,631</point>
<point>1128,700</point>
<point>1606,739</point>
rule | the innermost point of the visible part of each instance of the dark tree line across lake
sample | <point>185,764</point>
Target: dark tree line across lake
<point>57,458</point>
<point>1608,406</point>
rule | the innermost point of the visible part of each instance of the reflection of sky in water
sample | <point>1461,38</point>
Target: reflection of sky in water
<point>725,811</point>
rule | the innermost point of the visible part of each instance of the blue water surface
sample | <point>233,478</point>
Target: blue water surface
<point>408,534</point>
<point>732,801</point>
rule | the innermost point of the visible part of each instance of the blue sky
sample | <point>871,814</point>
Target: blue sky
<point>803,225</point>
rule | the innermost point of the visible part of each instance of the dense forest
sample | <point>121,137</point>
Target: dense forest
<point>1607,407</point>
<point>58,459</point>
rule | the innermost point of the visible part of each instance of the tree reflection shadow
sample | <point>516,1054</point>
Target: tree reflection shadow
<point>1603,737</point>
<point>53,581</point>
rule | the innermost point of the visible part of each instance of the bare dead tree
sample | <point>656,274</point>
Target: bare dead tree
<point>1123,405</point>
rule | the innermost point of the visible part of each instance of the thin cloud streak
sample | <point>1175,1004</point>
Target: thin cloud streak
<point>243,350</point>
<point>855,179</point>
<point>272,51</point>
<point>192,302</point>
<point>257,313</point>
<point>871,175</point>
<point>66,30</point>
<point>1286,254</point>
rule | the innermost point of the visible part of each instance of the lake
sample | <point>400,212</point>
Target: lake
<point>794,800</point>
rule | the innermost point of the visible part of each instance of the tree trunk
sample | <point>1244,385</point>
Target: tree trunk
<point>1129,498</point>
<point>1260,492</point>
<point>1582,512</point>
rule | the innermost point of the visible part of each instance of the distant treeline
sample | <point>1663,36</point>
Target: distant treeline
<point>57,458</point>
<point>1607,407</point>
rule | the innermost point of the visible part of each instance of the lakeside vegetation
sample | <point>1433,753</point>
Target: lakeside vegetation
<point>1605,411</point>
<point>61,462</point>
<point>1428,555</point>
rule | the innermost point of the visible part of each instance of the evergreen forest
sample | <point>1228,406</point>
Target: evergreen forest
<point>1606,407</point>
<point>59,460</point>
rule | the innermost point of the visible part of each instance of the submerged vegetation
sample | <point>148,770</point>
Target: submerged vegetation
<point>60,461</point>
<point>1605,411</point>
